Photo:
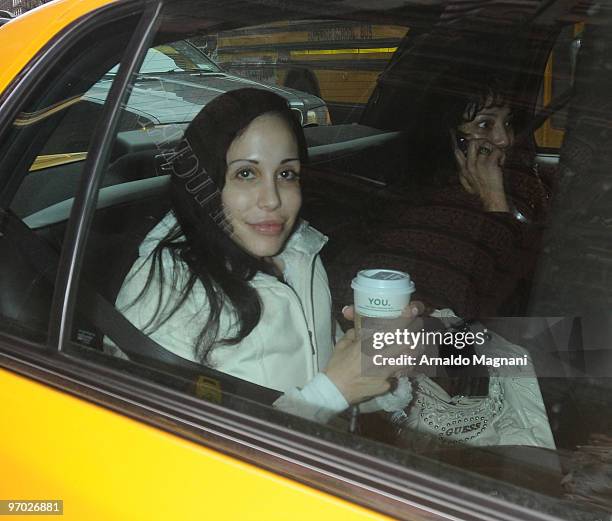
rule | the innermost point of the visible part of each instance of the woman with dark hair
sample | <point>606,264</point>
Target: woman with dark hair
<point>466,244</point>
<point>466,135</point>
<point>469,233</point>
<point>231,277</point>
<point>451,100</point>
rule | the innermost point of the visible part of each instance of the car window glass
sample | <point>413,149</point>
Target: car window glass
<point>174,57</point>
<point>43,154</point>
<point>556,86</point>
<point>338,61</point>
<point>421,161</point>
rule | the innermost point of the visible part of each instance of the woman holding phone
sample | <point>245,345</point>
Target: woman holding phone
<point>469,228</point>
<point>482,141</point>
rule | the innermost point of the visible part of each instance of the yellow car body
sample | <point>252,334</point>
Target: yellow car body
<point>105,466</point>
<point>24,37</point>
<point>110,456</point>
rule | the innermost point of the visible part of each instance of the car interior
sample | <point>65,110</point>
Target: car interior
<point>355,169</point>
<point>344,160</point>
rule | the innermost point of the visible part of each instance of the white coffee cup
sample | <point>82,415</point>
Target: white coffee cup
<point>381,293</point>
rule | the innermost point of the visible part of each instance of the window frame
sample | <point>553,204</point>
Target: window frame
<point>83,210</point>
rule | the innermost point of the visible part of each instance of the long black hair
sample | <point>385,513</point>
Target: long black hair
<point>201,239</point>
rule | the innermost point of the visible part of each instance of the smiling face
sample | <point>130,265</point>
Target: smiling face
<point>262,197</point>
<point>493,124</point>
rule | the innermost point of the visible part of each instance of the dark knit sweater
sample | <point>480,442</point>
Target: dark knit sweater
<point>477,263</point>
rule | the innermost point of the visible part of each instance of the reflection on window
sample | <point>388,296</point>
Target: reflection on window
<point>418,164</point>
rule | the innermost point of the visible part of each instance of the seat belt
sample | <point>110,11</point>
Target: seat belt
<point>103,315</point>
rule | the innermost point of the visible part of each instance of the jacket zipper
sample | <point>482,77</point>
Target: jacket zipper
<point>312,312</point>
<point>301,306</point>
<point>313,351</point>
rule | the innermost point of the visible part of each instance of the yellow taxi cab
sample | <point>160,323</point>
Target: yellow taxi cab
<point>85,132</point>
<point>83,453</point>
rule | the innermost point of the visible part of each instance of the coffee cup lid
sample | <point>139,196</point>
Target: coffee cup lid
<point>388,281</point>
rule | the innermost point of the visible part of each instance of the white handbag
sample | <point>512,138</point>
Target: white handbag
<point>512,413</point>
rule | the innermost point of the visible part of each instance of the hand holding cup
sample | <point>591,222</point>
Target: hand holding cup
<point>348,367</point>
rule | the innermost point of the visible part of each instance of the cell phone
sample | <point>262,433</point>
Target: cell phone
<point>462,144</point>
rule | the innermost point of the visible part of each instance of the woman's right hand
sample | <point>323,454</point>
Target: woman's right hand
<point>481,173</point>
<point>348,366</point>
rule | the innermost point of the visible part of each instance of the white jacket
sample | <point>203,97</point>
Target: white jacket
<point>287,349</point>
<point>293,342</point>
